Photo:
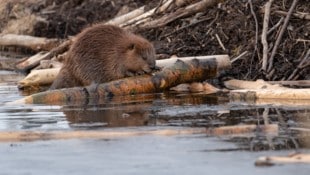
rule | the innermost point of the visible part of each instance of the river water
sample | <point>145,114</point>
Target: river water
<point>149,153</point>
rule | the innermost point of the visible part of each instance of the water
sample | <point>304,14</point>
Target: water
<point>149,153</point>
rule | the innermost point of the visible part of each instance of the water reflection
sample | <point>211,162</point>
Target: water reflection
<point>163,109</point>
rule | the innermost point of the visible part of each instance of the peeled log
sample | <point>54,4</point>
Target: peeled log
<point>221,59</point>
<point>180,72</point>
<point>39,77</point>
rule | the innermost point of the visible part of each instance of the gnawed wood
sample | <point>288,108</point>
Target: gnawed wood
<point>39,77</point>
<point>285,93</point>
<point>263,93</point>
<point>258,84</point>
<point>180,72</point>
<point>31,42</point>
<point>272,160</point>
<point>222,60</point>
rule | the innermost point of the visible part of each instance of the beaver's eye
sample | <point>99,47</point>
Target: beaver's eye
<point>131,46</point>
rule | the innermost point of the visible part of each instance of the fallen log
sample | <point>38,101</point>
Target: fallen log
<point>180,72</point>
<point>35,60</point>
<point>258,84</point>
<point>221,59</point>
<point>31,42</point>
<point>262,93</point>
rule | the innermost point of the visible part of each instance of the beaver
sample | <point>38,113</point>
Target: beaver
<point>103,53</point>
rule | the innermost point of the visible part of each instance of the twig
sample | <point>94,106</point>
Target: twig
<point>220,42</point>
<point>270,66</point>
<point>238,57</point>
<point>264,34</point>
<point>300,65</point>
<point>299,15</point>
<point>192,24</point>
<point>275,26</point>
<point>256,27</point>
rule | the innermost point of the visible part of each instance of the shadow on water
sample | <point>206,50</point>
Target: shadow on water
<point>164,110</point>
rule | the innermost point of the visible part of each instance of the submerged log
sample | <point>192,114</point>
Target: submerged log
<point>180,72</point>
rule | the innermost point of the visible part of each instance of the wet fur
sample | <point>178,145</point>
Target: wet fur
<point>103,53</point>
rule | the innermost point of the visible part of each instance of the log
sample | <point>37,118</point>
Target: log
<point>221,59</point>
<point>180,72</point>
<point>285,94</point>
<point>261,92</point>
<point>272,160</point>
<point>39,77</point>
<point>31,42</point>
<point>258,84</point>
<point>35,60</point>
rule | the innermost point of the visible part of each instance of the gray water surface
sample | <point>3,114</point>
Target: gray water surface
<point>148,154</point>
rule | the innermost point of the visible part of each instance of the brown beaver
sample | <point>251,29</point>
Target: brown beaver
<point>103,53</point>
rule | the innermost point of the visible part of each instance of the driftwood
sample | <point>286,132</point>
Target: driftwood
<point>39,77</point>
<point>34,43</point>
<point>35,60</point>
<point>272,160</point>
<point>262,90</point>
<point>221,59</point>
<point>180,72</point>
<point>19,136</point>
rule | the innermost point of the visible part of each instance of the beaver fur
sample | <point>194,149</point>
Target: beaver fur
<point>102,53</point>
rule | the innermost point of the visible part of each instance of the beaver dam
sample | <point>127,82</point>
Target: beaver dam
<point>246,105</point>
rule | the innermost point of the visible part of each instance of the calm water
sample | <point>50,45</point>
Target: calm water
<point>149,154</point>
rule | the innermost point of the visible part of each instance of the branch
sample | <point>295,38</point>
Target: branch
<point>264,34</point>
<point>274,50</point>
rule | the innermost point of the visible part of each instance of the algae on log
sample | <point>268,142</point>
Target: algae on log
<point>180,72</point>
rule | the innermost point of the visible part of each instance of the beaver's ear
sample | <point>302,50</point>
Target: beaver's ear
<point>131,46</point>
